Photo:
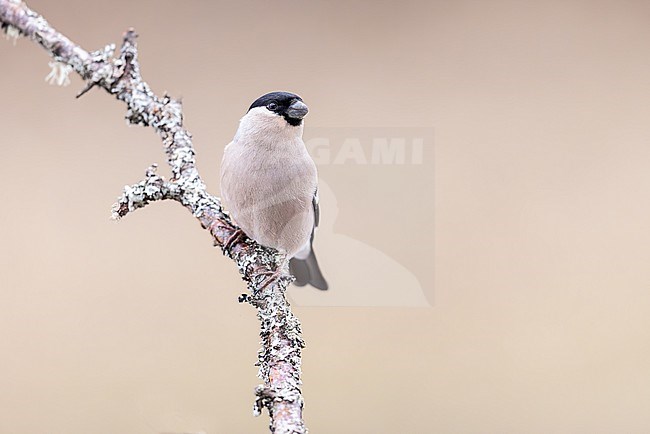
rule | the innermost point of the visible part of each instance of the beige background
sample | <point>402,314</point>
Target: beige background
<point>533,256</point>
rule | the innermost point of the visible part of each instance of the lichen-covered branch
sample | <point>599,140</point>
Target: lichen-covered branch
<point>261,267</point>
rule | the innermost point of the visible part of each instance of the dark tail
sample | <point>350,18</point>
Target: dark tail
<point>306,271</point>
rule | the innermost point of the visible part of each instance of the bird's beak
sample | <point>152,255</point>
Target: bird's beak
<point>297,110</point>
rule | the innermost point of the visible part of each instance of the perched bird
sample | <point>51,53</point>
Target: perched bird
<point>269,182</point>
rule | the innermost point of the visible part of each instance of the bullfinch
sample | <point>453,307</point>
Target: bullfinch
<point>269,183</point>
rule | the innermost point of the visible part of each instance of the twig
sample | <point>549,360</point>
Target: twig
<point>89,86</point>
<point>279,359</point>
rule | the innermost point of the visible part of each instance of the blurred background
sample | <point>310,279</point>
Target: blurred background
<point>484,181</point>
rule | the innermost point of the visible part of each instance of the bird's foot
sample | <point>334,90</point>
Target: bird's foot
<point>233,239</point>
<point>271,276</point>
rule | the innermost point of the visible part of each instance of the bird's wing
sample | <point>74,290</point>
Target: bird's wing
<point>305,269</point>
<point>315,203</point>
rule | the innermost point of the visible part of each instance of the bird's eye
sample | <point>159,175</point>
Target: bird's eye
<point>272,106</point>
